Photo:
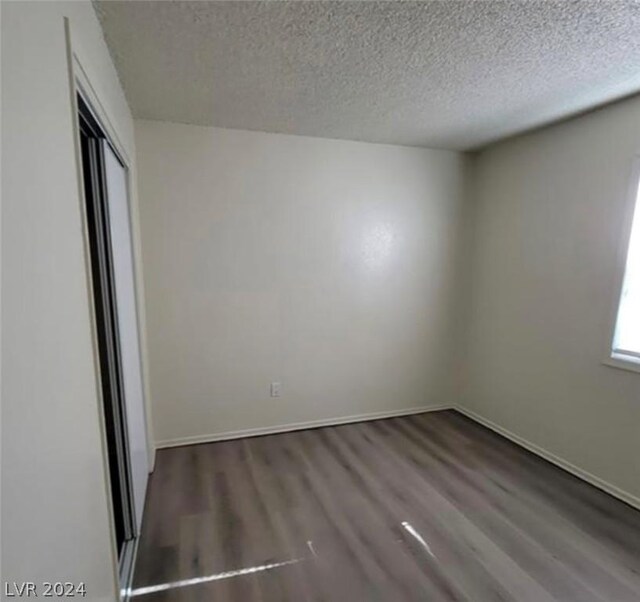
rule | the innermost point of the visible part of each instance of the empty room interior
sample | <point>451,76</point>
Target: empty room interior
<point>320,301</point>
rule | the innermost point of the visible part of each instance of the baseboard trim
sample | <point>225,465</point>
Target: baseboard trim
<point>616,492</point>
<point>295,426</point>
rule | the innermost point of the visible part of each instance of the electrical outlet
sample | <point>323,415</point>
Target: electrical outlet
<point>275,389</point>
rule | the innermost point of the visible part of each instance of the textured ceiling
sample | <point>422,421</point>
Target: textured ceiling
<point>450,74</point>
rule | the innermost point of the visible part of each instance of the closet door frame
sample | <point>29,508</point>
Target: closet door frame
<point>108,336</point>
<point>103,108</point>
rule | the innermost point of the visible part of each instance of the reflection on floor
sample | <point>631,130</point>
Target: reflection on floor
<point>428,507</point>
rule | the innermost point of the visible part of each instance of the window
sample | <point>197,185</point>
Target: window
<point>626,340</point>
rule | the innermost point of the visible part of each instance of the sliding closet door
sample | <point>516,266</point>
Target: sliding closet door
<point>127,324</point>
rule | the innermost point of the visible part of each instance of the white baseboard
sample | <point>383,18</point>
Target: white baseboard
<point>295,426</point>
<point>626,497</point>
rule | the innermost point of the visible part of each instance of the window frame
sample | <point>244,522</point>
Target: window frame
<point>614,358</point>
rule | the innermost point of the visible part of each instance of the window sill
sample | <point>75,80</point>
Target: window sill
<point>623,362</point>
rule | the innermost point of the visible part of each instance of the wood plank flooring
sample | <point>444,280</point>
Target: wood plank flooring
<point>428,507</point>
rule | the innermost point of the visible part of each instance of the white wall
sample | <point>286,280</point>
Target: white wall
<point>55,507</point>
<point>325,265</point>
<point>549,210</point>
